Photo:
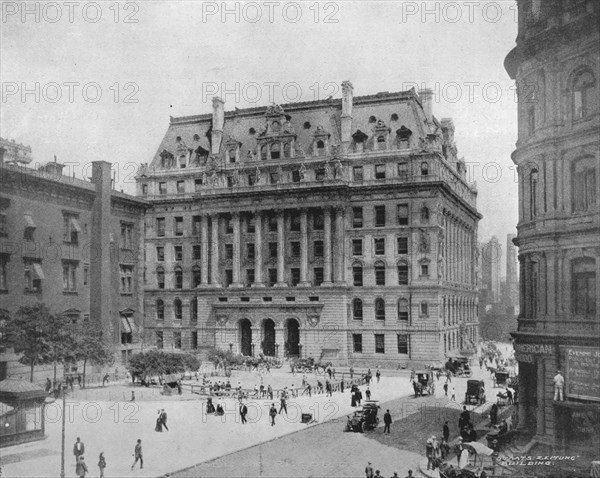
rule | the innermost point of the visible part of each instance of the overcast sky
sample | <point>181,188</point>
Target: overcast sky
<point>99,80</point>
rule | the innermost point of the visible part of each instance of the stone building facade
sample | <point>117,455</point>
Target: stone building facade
<point>556,65</point>
<point>339,229</point>
<point>74,245</point>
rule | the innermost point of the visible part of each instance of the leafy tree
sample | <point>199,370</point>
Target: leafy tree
<point>89,346</point>
<point>156,362</point>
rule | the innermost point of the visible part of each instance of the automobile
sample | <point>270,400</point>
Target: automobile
<point>475,392</point>
<point>459,366</point>
<point>501,378</point>
<point>365,418</point>
<point>424,383</point>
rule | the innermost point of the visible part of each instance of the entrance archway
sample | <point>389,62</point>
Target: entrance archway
<point>293,338</point>
<point>268,344</point>
<point>245,337</point>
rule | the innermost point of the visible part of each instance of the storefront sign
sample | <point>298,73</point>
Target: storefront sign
<point>528,352</point>
<point>583,373</point>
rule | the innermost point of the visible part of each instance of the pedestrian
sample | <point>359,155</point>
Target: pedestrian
<point>429,453</point>
<point>179,387</point>
<point>436,451</point>
<point>262,390</point>
<point>342,384</point>
<point>446,432</point>
<point>494,414</point>
<point>70,382</point>
<point>368,393</point>
<point>101,464</point>
<point>163,419</point>
<point>446,389</point>
<point>243,413</point>
<point>333,373</point>
<point>308,389</point>
<point>137,453</point>
<point>282,401</point>
<point>377,475</point>
<point>270,392</point>
<point>351,373</point>
<point>369,470</point>
<point>81,468</point>
<point>559,384</point>
<point>387,420</point>
<point>105,379</point>
<point>378,374</point>
<point>328,387</point>
<point>329,372</point>
<point>158,427</point>
<point>453,394</point>
<point>410,475</point>
<point>79,380</point>
<point>273,414</point>
<point>304,381</point>
<point>78,449</point>
<point>48,385</point>
<point>444,449</point>
<point>358,396</point>
<point>465,418</point>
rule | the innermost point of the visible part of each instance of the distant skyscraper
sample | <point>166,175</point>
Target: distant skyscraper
<point>491,255</point>
<point>512,298</point>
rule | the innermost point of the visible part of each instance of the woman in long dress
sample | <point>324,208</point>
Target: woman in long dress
<point>158,427</point>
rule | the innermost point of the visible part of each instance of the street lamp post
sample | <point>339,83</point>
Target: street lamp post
<point>62,445</point>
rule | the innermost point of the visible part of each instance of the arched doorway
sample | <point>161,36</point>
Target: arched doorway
<point>292,338</point>
<point>245,337</point>
<point>268,343</point>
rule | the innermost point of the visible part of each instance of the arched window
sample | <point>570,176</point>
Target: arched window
<point>178,278</point>
<point>583,184</point>
<point>424,309</point>
<point>196,276</point>
<point>380,142</point>
<point>379,273</point>
<point>178,309</point>
<point>263,152</point>
<point>160,310</point>
<point>379,309</point>
<point>275,151</point>
<point>160,278</point>
<point>357,274</point>
<point>193,310</point>
<point>533,183</point>
<point>402,273</point>
<point>403,309</point>
<point>357,309</point>
<point>320,148</point>
<point>232,155</point>
<point>583,98</point>
<point>424,214</point>
<point>583,287</point>
<point>424,168</point>
<point>287,150</point>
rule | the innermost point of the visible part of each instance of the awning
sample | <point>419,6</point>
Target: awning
<point>126,326</point>
<point>38,271</point>
<point>75,224</point>
<point>29,224</point>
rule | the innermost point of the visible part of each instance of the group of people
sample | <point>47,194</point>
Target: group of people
<point>377,474</point>
<point>161,421</point>
<point>81,468</point>
<point>436,450</point>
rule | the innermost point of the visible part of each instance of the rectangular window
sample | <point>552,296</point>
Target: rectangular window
<point>357,173</point>
<point>318,221</point>
<point>320,174</point>
<point>71,229</point>
<point>178,253</point>
<point>380,171</point>
<point>126,279</point>
<point>318,248</point>
<point>273,178</point>
<point>295,276</point>
<point>251,179</point>
<point>197,185</point>
<point>160,279</point>
<point>249,277</point>
<point>177,340</point>
<point>126,236</point>
<point>272,223</point>
<point>403,171</point>
<point>196,225</point>
<point>379,343</point>
<point>229,251</point>
<point>228,277</point>
<point>159,339</point>
<point>379,216</point>
<point>402,344</point>
<point>402,214</point>
<point>160,226</point>
<point>357,276</point>
<point>296,176</point>
<point>178,226</point>
<point>144,189</point>
<point>357,309</point>
<point>318,272</point>
<point>69,276</point>
<point>272,277</point>
<point>178,278</point>
<point>251,225</point>
<point>160,254</point>
<point>162,188</point>
<point>180,187</point>
<point>403,310</point>
<point>357,343</point>
<point>229,181</point>
<point>295,222</point>
<point>402,244</point>
<point>357,217</point>
<point>194,344</point>
<point>196,252</point>
<point>379,244</point>
<point>250,252</point>
<point>424,269</point>
<point>379,275</point>
<point>228,225</point>
<point>295,246</point>
<point>196,278</point>
<point>272,250</point>
<point>357,247</point>
<point>3,271</point>
<point>424,309</point>
<point>403,274</point>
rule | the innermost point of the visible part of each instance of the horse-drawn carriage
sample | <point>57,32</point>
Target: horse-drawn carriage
<point>501,378</point>
<point>424,383</point>
<point>309,365</point>
<point>475,392</point>
<point>363,419</point>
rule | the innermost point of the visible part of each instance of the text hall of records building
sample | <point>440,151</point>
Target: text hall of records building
<point>338,229</point>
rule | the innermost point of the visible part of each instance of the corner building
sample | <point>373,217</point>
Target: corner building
<point>339,229</point>
<point>556,65</point>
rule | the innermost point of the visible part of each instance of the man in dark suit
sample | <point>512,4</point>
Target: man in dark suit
<point>446,432</point>
<point>243,412</point>
<point>387,420</point>
<point>78,449</point>
<point>163,419</point>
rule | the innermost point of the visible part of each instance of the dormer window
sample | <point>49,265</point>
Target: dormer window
<point>287,150</point>
<point>275,150</point>
<point>403,134</point>
<point>380,142</point>
<point>263,152</point>
<point>320,148</point>
<point>583,94</point>
<point>232,155</point>
<point>424,168</point>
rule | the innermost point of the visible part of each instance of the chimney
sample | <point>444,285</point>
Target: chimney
<point>426,96</point>
<point>347,97</point>
<point>218,119</point>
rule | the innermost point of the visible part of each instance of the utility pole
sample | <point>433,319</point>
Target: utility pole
<point>62,447</point>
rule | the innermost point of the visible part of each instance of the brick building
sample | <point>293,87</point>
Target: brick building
<point>556,65</point>
<point>343,229</point>
<point>74,245</point>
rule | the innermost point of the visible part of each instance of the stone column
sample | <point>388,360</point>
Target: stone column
<point>204,246</point>
<point>280,250</point>
<point>279,339</point>
<point>303,249</point>
<point>214,272</point>
<point>339,245</point>
<point>326,246</point>
<point>236,251</point>
<point>258,259</point>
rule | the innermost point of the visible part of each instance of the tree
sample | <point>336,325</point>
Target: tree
<point>35,334</point>
<point>89,346</point>
<point>156,362</point>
